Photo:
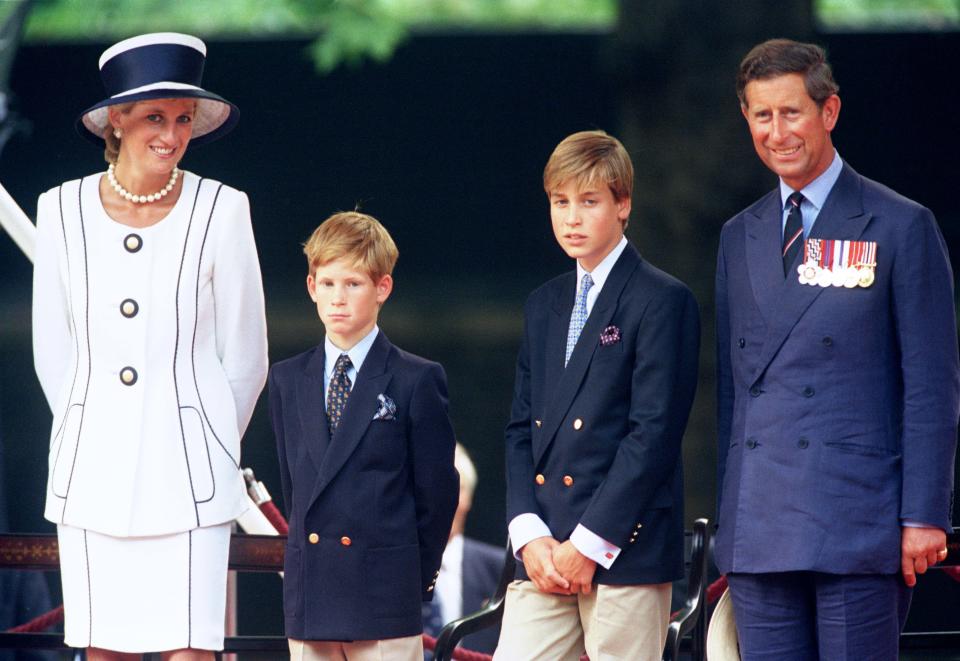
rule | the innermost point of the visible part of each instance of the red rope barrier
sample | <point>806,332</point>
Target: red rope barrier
<point>460,654</point>
<point>715,589</point>
<point>40,623</point>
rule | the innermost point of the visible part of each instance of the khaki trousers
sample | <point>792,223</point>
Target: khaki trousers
<point>612,622</point>
<point>408,648</point>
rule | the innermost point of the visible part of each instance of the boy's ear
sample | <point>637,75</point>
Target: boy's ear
<point>310,287</point>
<point>623,208</point>
<point>384,287</point>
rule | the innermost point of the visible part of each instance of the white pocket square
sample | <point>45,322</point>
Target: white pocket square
<point>386,410</point>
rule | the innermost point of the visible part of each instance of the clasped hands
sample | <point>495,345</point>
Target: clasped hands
<point>557,568</point>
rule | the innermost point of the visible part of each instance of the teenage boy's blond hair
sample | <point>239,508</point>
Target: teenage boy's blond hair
<point>588,158</point>
<point>357,237</point>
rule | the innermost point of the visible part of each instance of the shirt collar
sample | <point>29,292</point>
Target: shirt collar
<point>816,191</point>
<point>358,352</point>
<point>602,270</point>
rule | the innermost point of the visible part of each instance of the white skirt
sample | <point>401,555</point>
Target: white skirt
<point>144,594</point>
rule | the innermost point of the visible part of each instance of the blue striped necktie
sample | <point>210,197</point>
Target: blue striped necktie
<point>792,232</point>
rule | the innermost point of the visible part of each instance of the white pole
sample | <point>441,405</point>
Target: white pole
<point>17,224</point>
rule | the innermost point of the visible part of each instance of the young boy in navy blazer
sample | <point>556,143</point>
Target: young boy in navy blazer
<point>366,462</point>
<point>605,379</point>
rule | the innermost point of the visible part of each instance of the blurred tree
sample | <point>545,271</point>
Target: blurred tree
<point>350,31</point>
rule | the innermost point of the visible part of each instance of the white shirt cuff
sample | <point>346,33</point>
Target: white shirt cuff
<point>525,528</point>
<point>594,547</point>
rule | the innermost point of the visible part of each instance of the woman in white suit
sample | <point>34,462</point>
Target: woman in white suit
<point>150,345</point>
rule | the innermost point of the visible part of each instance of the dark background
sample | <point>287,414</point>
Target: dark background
<point>445,144</point>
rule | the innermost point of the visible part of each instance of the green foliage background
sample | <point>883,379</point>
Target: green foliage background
<point>351,31</point>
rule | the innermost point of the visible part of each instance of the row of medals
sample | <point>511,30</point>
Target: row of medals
<point>860,275</point>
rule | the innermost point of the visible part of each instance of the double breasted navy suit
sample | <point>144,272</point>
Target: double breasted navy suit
<point>370,509</point>
<point>597,442</point>
<point>837,407</point>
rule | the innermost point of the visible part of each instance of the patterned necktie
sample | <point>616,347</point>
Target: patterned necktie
<point>792,232</point>
<point>338,391</point>
<point>579,316</point>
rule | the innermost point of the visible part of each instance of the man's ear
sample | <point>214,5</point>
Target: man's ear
<point>384,287</point>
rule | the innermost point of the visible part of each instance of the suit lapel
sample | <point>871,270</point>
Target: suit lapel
<point>763,249</point>
<point>571,377</point>
<point>842,218</point>
<point>313,409</point>
<point>556,341</point>
<point>372,380</point>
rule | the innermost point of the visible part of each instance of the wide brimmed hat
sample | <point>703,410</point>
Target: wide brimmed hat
<point>722,642</point>
<point>162,65</point>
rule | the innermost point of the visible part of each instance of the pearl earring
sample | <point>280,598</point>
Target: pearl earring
<point>117,133</point>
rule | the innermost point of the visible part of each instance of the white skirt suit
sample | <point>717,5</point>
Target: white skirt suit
<point>150,346</point>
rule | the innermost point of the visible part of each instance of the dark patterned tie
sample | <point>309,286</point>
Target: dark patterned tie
<point>338,391</point>
<point>792,232</point>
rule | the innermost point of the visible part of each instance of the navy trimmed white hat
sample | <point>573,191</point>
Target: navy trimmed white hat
<point>161,65</point>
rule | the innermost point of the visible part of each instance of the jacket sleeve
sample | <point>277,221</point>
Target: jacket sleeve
<point>52,330</point>
<point>275,396</point>
<point>436,483</point>
<point>241,325</point>
<point>925,322</point>
<point>517,437</point>
<point>725,389</point>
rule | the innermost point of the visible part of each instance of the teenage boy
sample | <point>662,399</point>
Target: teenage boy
<point>366,462</point>
<point>605,379</point>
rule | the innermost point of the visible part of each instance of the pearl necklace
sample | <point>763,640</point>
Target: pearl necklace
<point>142,199</point>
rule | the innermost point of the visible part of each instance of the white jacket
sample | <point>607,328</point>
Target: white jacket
<point>150,345</point>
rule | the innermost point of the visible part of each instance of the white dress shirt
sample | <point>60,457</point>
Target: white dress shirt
<point>358,353</point>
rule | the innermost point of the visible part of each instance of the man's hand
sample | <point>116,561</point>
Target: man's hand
<point>920,548</point>
<point>577,568</point>
<point>537,557</point>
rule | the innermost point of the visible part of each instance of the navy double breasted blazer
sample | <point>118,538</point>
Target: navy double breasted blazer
<point>370,510</point>
<point>598,442</point>
<point>837,407</point>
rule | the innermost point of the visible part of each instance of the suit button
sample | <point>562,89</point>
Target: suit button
<point>828,341</point>
<point>539,479</point>
<point>538,423</point>
<point>567,480</point>
<point>132,242</point>
<point>803,444</point>
<point>755,391</point>
<point>741,343</point>
<point>808,391</point>
<point>639,525</point>
<point>751,443</point>
<point>128,376</point>
<point>313,538</point>
<point>346,541</point>
<point>577,424</point>
<point>129,308</point>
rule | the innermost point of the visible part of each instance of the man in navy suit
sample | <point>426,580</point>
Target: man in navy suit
<point>366,462</point>
<point>470,570</point>
<point>604,383</point>
<point>838,384</point>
